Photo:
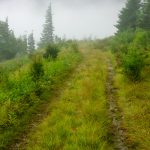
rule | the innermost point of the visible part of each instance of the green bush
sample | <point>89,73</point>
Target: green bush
<point>133,64</point>
<point>37,70</point>
<point>121,41</point>
<point>51,51</point>
<point>142,40</point>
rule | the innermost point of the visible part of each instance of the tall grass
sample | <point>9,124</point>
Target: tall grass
<point>14,64</point>
<point>19,98</point>
<point>133,99</point>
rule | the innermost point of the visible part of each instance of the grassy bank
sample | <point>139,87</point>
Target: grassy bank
<point>21,96</point>
<point>133,99</point>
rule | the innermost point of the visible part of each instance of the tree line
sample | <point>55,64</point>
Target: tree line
<point>131,44</point>
<point>136,14</point>
<point>12,46</point>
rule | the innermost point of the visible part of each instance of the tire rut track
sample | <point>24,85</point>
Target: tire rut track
<point>117,132</point>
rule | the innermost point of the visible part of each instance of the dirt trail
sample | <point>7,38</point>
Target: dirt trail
<point>114,113</point>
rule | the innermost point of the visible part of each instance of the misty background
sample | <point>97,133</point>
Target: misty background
<point>72,19</point>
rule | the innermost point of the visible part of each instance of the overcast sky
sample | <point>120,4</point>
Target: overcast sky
<point>72,18</point>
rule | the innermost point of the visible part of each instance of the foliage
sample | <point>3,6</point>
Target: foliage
<point>142,40</point>
<point>14,64</point>
<point>131,50</point>
<point>133,100</point>
<point>10,46</point>
<point>51,51</point>
<point>145,17</point>
<point>37,70</point>
<point>121,41</point>
<point>129,16</point>
<point>47,35</point>
<point>74,46</point>
<point>71,44</point>
<point>133,64</point>
<point>22,94</point>
<point>31,43</point>
<point>102,44</point>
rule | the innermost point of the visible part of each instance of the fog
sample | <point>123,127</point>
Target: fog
<point>72,19</point>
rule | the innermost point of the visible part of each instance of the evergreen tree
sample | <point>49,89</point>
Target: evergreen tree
<point>25,41</point>
<point>145,21</point>
<point>5,51</point>
<point>47,35</point>
<point>10,46</point>
<point>21,45</point>
<point>129,16</point>
<point>12,42</point>
<point>31,43</point>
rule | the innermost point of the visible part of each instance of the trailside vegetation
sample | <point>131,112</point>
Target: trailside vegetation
<point>22,90</point>
<point>131,47</point>
<point>131,44</point>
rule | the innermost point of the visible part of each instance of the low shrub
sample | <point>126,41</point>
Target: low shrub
<point>51,51</point>
<point>121,41</point>
<point>142,40</point>
<point>37,70</point>
<point>133,64</point>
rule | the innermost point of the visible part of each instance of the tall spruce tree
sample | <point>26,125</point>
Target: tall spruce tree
<point>4,36</point>
<point>129,16</point>
<point>6,51</point>
<point>145,21</point>
<point>47,35</point>
<point>31,43</point>
<point>21,45</point>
